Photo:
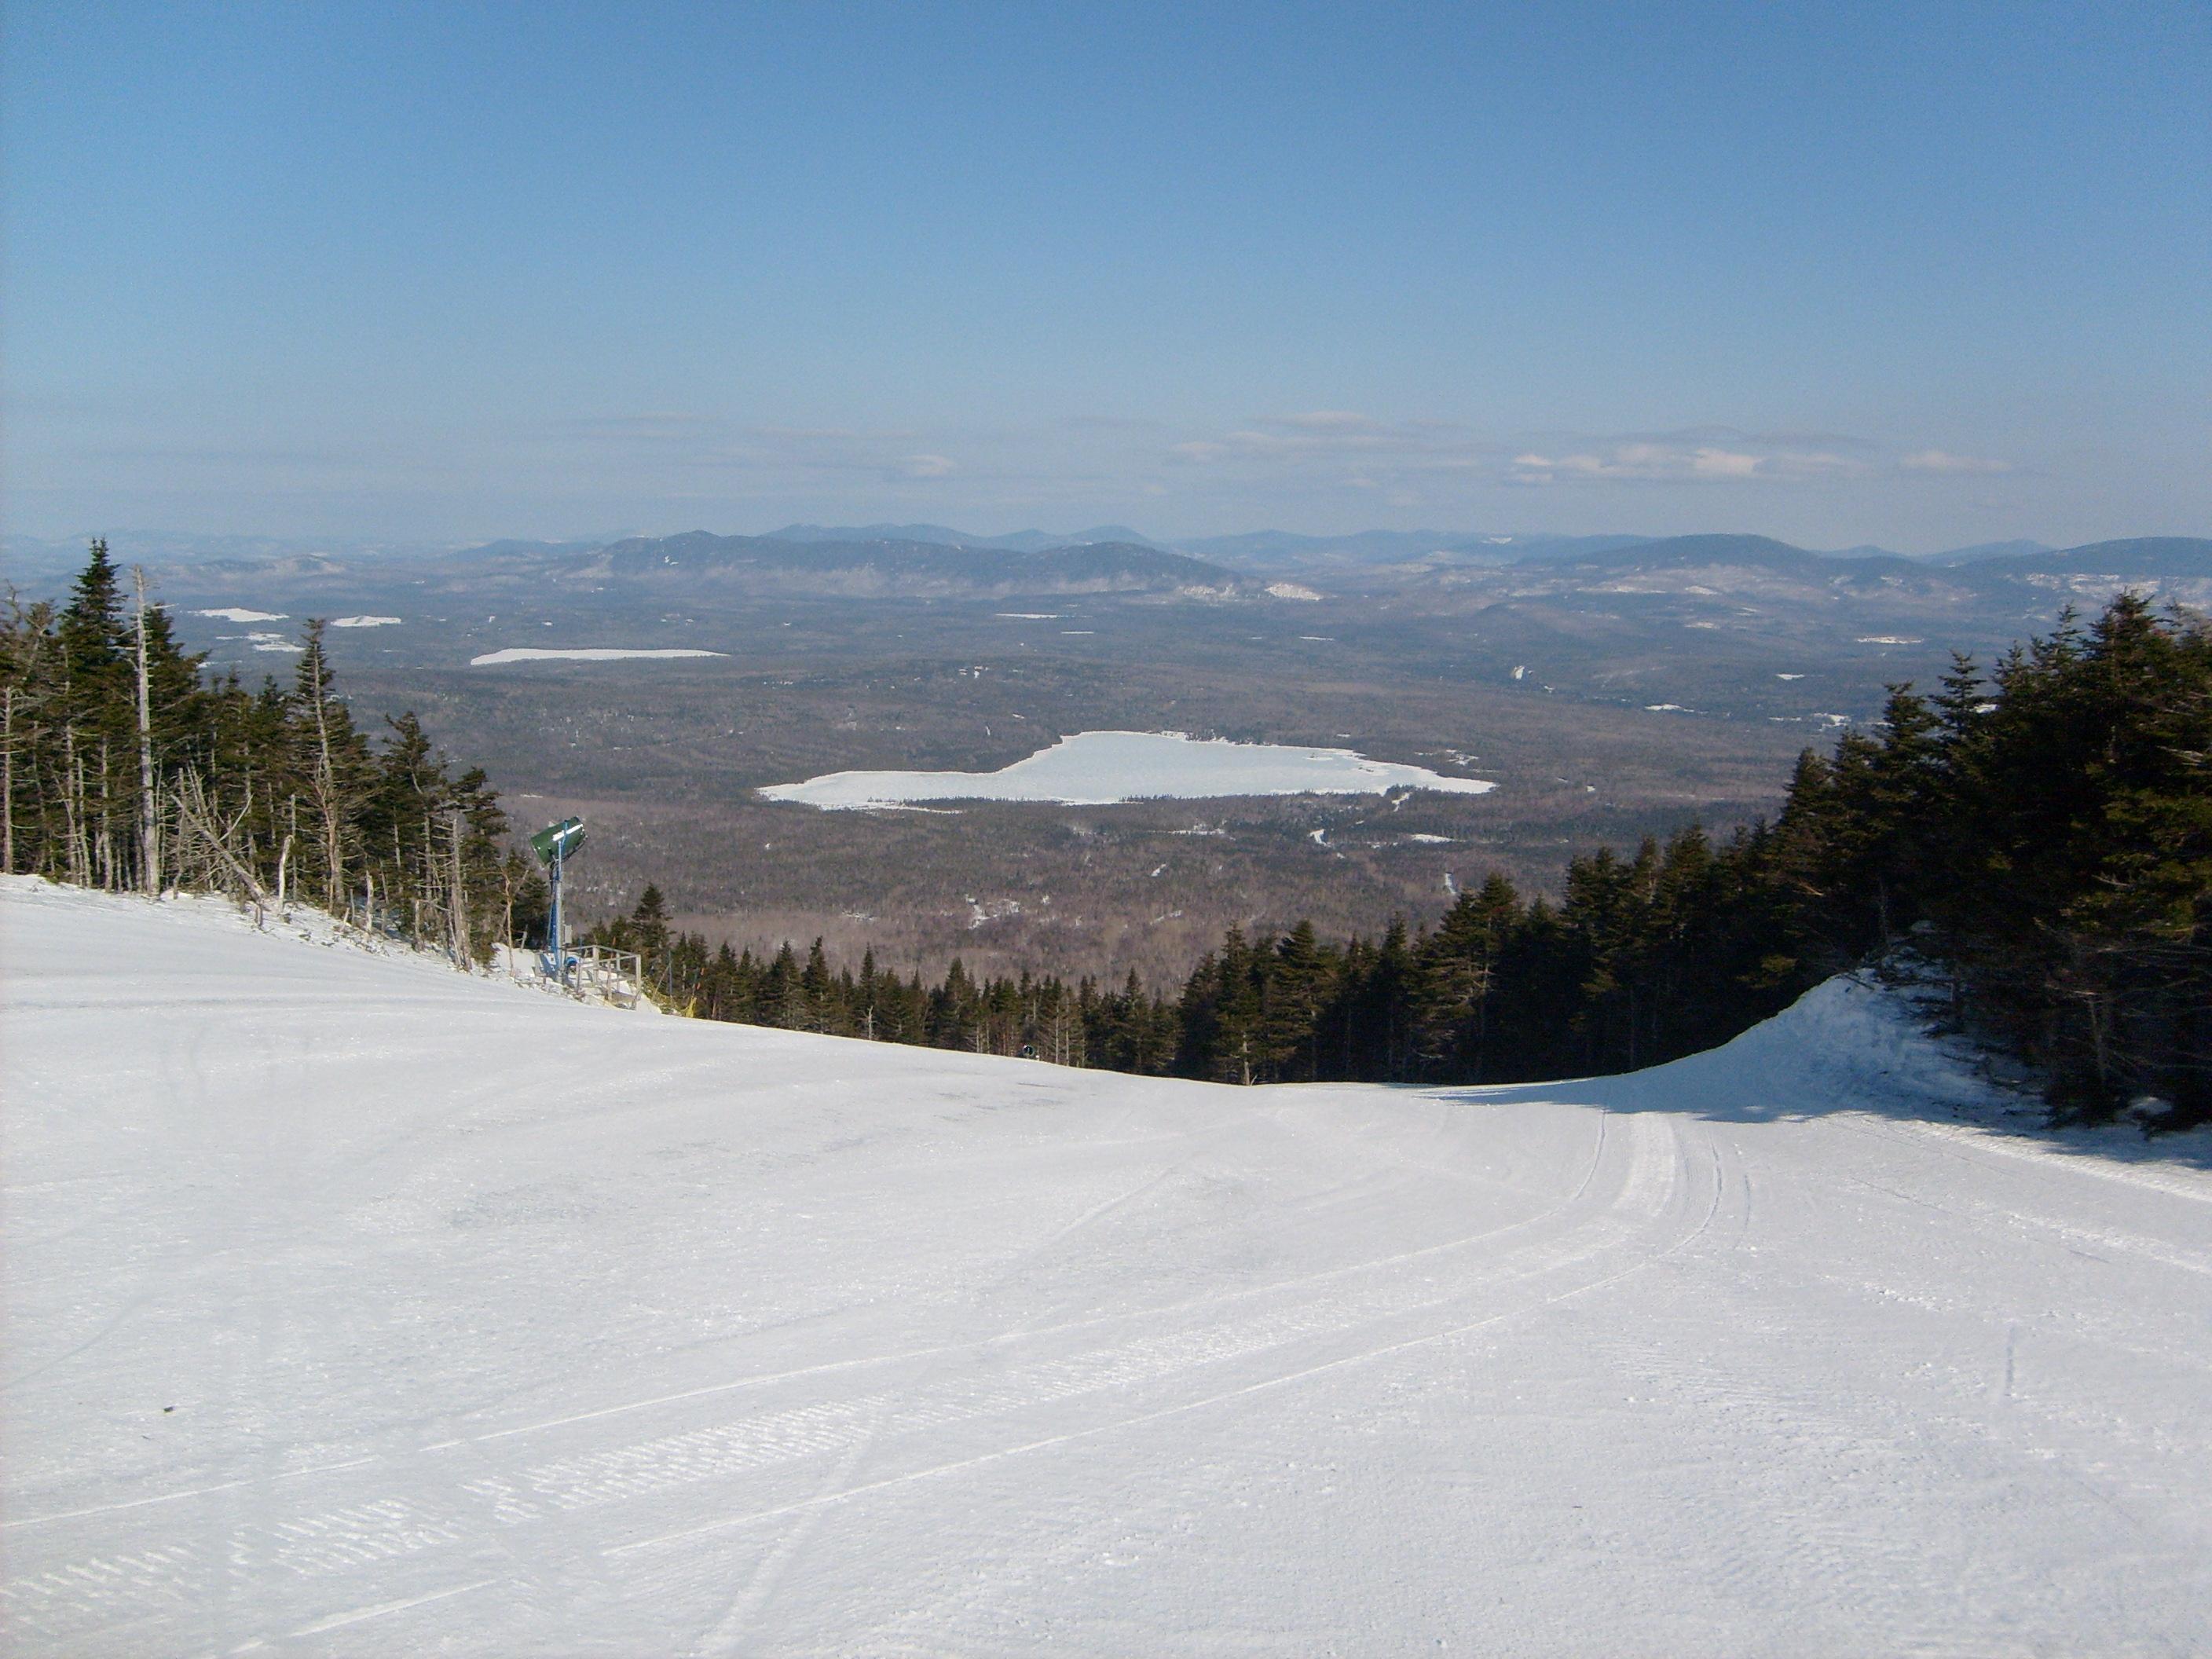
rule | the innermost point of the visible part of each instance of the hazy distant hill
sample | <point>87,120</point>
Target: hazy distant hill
<point>1284,550</point>
<point>2147,556</point>
<point>896,567</point>
<point>35,562</point>
<point>1987,551</point>
<point>1718,581</point>
<point>1755,552</point>
<point>2139,555</point>
<point>1018,541</point>
<point>509,548</point>
<point>1729,582</point>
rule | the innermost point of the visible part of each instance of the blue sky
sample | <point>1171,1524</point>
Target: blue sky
<point>1921,275</point>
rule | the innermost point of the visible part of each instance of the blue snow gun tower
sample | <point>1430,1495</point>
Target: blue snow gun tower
<point>555,845</point>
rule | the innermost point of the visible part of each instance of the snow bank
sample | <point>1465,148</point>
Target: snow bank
<point>1099,769</point>
<point>1846,1043</point>
<point>355,1306</point>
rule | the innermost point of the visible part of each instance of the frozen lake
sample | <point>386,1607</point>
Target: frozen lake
<point>1097,768</point>
<point>577,653</point>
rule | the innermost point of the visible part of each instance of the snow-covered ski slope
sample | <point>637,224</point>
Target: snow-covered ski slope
<point>355,1308</point>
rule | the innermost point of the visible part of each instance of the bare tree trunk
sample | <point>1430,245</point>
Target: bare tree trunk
<point>72,800</point>
<point>7,780</point>
<point>507,917</point>
<point>462,955</point>
<point>111,863</point>
<point>43,807</point>
<point>194,811</point>
<point>327,793</point>
<point>149,830</point>
<point>292,812</point>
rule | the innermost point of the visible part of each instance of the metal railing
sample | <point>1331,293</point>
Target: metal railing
<point>597,973</point>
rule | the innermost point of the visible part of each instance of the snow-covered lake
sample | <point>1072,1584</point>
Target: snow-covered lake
<point>577,653</point>
<point>1098,768</point>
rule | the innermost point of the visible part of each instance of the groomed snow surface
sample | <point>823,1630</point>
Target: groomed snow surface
<point>356,1308</point>
<point>1099,769</point>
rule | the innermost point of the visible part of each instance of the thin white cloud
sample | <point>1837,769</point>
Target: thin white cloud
<point>1942,461</point>
<point>1724,464</point>
<point>704,445</point>
<point>1320,433</point>
<point>1329,420</point>
<point>1381,455</point>
<point>1647,462</point>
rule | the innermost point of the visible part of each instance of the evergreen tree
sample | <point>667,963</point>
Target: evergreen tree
<point>107,781</point>
<point>2041,836</point>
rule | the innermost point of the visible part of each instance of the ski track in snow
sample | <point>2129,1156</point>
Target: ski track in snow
<point>492,1324</point>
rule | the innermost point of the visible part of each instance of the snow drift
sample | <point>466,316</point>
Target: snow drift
<point>355,1307</point>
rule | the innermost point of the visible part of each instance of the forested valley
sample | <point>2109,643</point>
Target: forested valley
<point>2035,839</point>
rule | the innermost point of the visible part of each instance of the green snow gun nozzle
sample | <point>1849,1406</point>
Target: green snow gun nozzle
<point>564,839</point>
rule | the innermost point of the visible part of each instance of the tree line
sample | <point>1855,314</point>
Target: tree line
<point>126,765</point>
<point>2037,837</point>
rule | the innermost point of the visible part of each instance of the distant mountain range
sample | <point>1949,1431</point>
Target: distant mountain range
<point>1762,552</point>
<point>935,561</point>
<point>1019,541</point>
<point>2138,556</point>
<point>2147,556</point>
<point>897,565</point>
<point>1985,550</point>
